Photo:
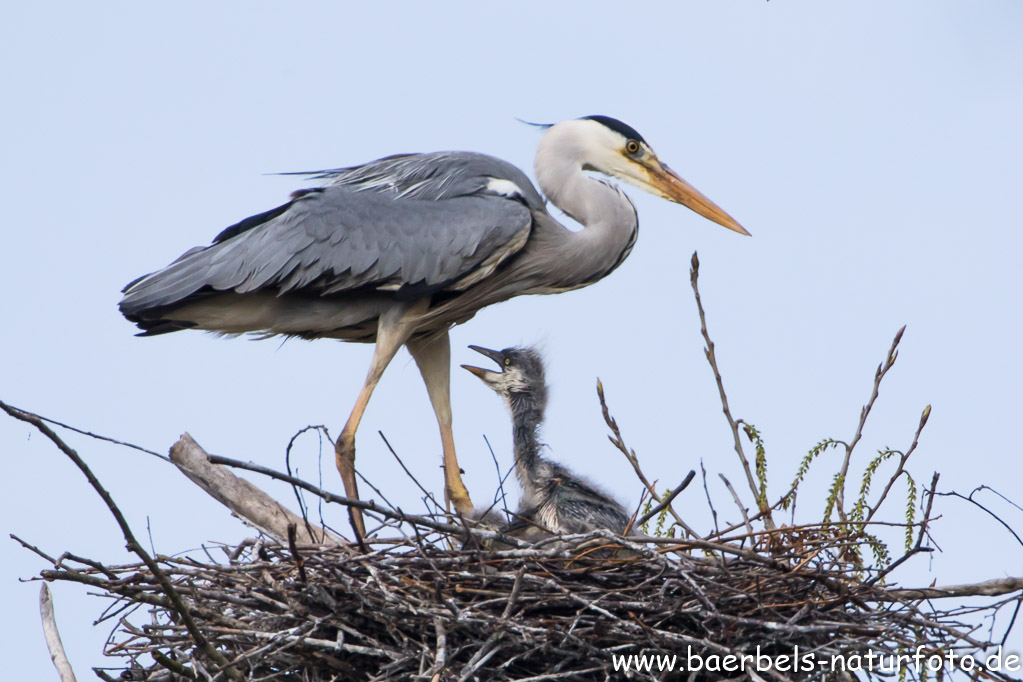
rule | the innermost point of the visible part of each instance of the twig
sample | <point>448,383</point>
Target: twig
<point>920,536</point>
<point>90,434</point>
<point>514,595</point>
<point>902,463</point>
<point>990,513</point>
<point>755,517</point>
<point>33,549</point>
<point>617,440</point>
<point>998,494</point>
<point>320,430</point>
<point>882,369</point>
<point>132,544</point>
<point>710,503</point>
<point>172,665</point>
<point>666,501</point>
<point>1012,621</point>
<point>500,495</point>
<point>404,468</point>
<point>441,656</point>
<point>292,528</point>
<point>694,275</point>
<point>738,503</point>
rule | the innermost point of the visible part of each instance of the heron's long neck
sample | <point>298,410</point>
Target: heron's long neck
<point>606,214</point>
<point>526,419</point>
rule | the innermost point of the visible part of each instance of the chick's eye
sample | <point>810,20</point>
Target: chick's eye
<point>632,147</point>
<point>507,362</point>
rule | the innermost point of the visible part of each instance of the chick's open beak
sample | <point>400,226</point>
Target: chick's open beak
<point>674,188</point>
<point>486,374</point>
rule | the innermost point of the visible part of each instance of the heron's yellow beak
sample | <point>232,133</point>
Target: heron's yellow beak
<point>668,184</point>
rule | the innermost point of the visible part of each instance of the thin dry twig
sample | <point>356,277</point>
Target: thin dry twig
<point>663,504</point>
<point>738,503</point>
<point>902,464</point>
<point>619,442</point>
<point>733,424</point>
<point>882,370</point>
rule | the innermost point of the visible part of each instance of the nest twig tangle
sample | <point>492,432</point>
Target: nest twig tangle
<point>430,597</point>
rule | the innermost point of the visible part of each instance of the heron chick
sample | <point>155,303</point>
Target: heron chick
<point>553,497</point>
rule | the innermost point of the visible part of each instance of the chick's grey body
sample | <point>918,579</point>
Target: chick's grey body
<point>398,250</point>
<point>553,497</point>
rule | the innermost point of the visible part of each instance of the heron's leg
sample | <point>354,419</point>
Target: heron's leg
<point>433,356</point>
<point>393,330</point>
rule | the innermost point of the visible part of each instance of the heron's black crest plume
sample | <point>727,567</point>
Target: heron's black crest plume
<point>542,126</point>
<point>606,121</point>
<point>617,126</point>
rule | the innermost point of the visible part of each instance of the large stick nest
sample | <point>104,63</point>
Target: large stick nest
<point>413,609</point>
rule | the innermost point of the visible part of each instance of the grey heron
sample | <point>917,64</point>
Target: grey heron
<point>552,496</point>
<point>396,251</point>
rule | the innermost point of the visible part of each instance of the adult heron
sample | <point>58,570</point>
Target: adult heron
<point>398,250</point>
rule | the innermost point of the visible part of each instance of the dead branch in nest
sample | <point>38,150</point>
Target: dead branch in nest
<point>244,499</point>
<point>53,643</point>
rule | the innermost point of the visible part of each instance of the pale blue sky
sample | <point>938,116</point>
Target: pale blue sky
<point>872,149</point>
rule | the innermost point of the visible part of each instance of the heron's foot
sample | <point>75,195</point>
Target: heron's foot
<point>458,496</point>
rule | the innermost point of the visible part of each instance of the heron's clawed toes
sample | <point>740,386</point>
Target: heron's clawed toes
<point>458,495</point>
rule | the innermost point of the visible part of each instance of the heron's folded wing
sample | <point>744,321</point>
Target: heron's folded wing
<point>433,176</point>
<point>336,239</point>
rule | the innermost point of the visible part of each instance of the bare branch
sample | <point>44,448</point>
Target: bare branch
<point>738,503</point>
<point>733,424</point>
<point>617,440</point>
<point>241,497</point>
<point>902,463</point>
<point>988,588</point>
<point>429,496</point>
<point>924,523</point>
<point>132,543</point>
<point>969,498</point>
<point>53,643</point>
<point>882,369</point>
<point>654,511</point>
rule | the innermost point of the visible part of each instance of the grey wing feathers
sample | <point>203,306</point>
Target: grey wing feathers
<point>337,239</point>
<point>434,176</point>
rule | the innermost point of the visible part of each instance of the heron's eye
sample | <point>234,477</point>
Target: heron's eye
<point>507,362</point>
<point>632,147</point>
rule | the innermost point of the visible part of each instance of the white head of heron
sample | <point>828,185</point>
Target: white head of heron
<point>608,146</point>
